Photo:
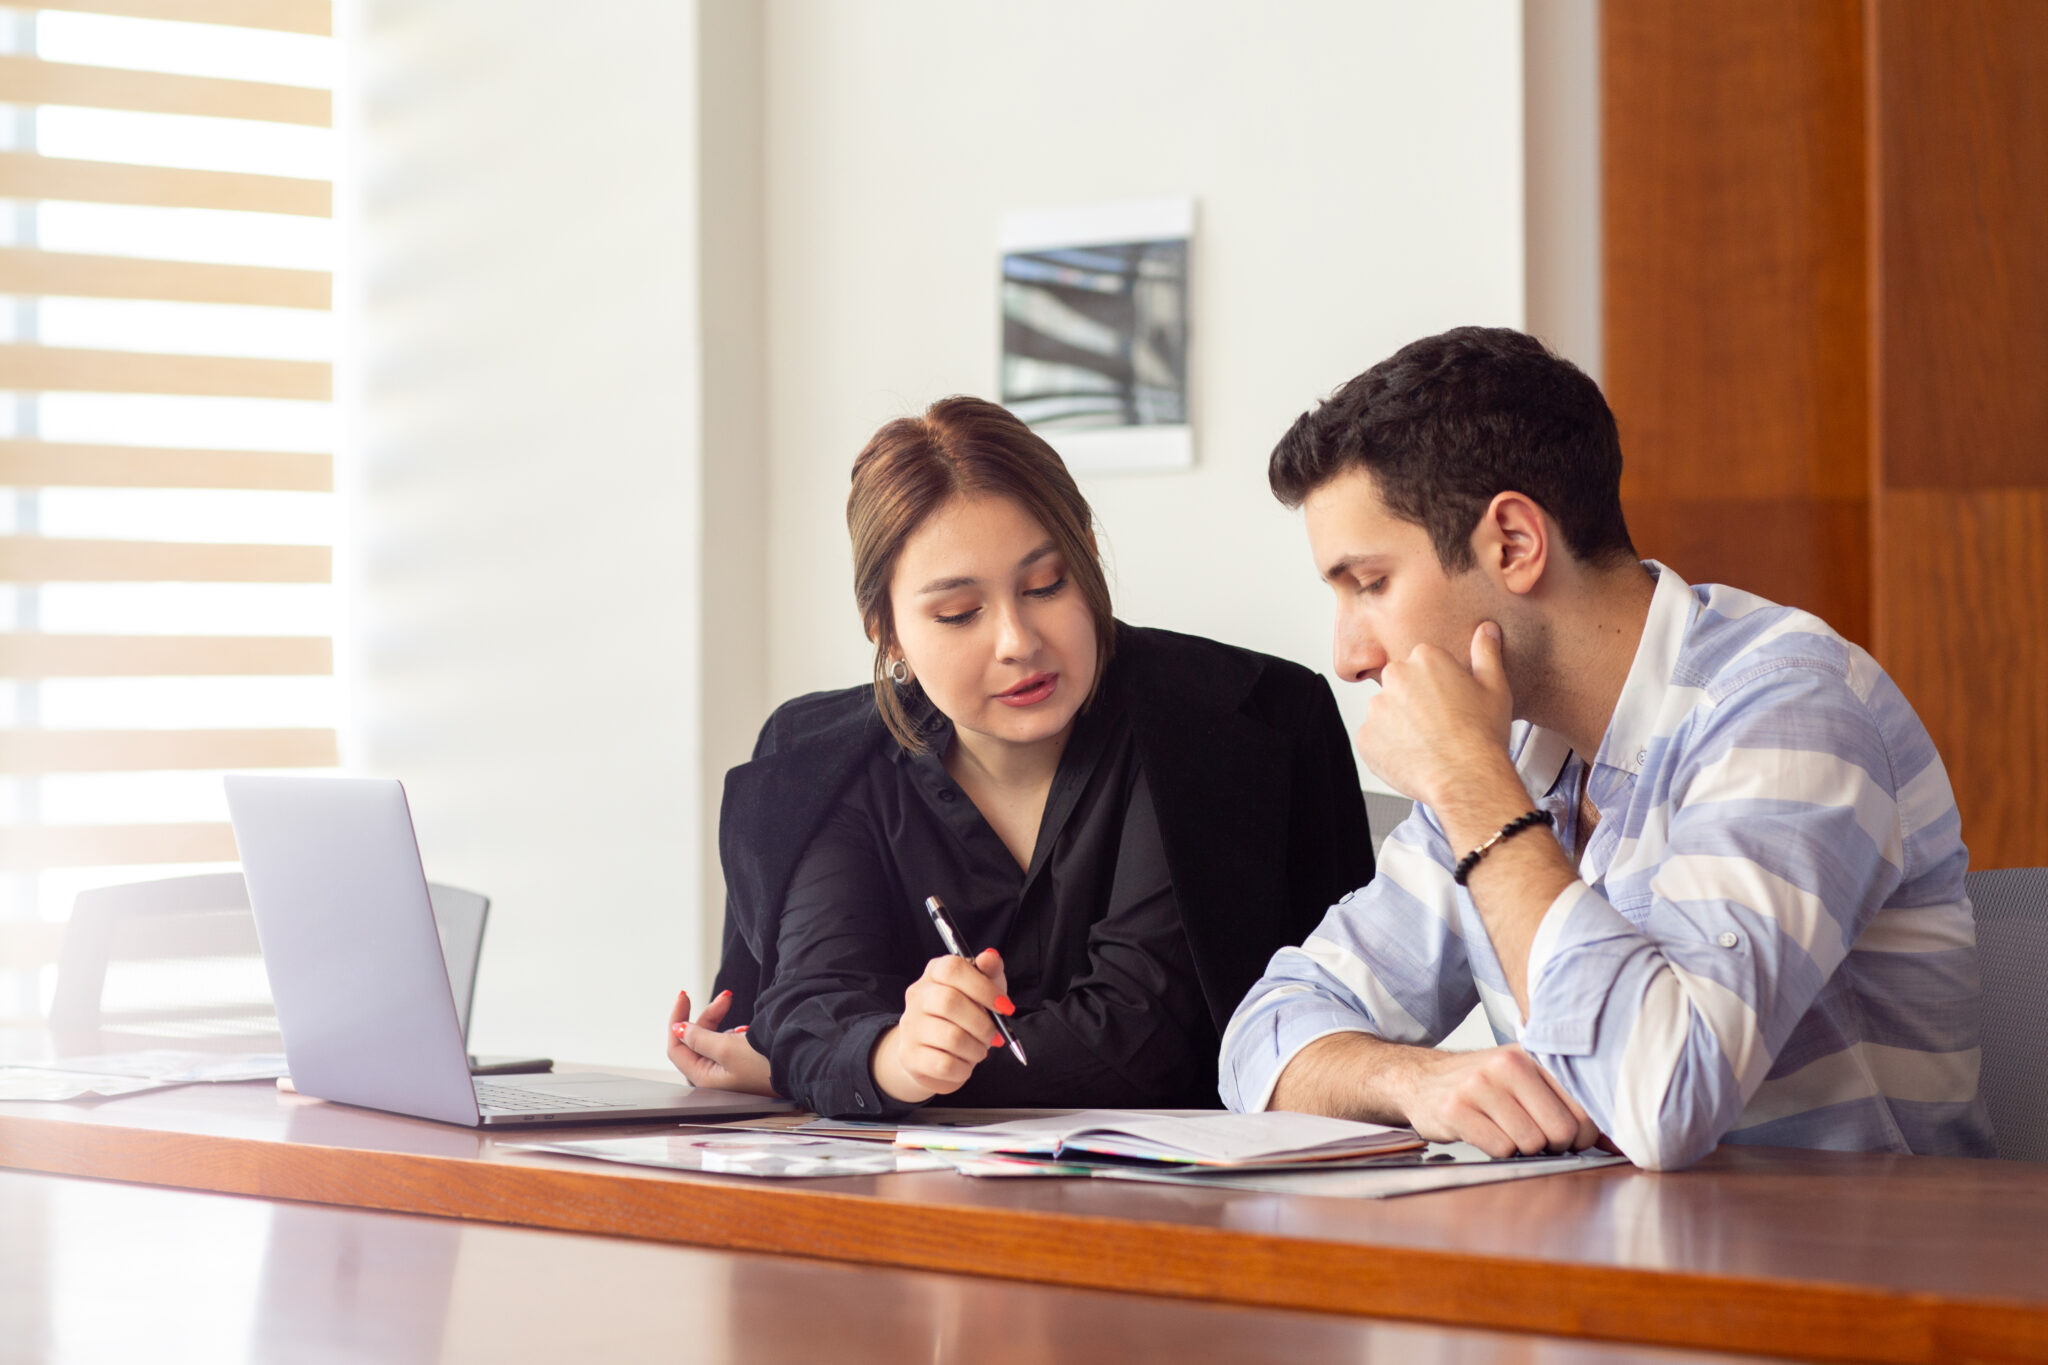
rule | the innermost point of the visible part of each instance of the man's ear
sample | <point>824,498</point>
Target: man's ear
<point>1513,542</point>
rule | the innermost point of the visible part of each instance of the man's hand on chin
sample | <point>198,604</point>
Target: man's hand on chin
<point>1438,730</point>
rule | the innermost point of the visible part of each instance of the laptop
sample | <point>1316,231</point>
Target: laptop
<point>355,966</point>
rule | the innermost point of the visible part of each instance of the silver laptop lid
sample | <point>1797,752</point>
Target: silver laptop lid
<point>349,943</point>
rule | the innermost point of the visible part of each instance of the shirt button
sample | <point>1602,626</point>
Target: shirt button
<point>860,1101</point>
<point>946,795</point>
<point>1729,938</point>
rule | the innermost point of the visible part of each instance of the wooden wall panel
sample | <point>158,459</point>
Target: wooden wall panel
<point>1959,127</point>
<point>1734,292</point>
<point>1960,113</point>
<point>1965,587</point>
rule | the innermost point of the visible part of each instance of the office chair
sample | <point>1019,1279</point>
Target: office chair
<point>2012,953</point>
<point>178,958</point>
<point>1383,811</point>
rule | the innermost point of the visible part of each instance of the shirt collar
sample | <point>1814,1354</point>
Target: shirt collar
<point>1626,744</point>
<point>1543,753</point>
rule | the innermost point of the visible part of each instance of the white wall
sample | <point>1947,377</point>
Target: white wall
<point>631,283</point>
<point>1561,151</point>
<point>524,475</point>
<point>1358,166</point>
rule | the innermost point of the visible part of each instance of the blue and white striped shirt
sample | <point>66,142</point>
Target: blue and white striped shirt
<point>1768,942</point>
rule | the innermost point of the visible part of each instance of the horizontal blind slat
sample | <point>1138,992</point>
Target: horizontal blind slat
<point>64,464</point>
<point>25,175</point>
<point>29,80</point>
<point>26,271</point>
<point>135,751</point>
<point>36,655</point>
<point>53,559</point>
<point>32,848</point>
<point>49,369</point>
<point>278,16</point>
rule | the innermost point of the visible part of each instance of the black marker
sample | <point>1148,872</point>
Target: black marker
<point>951,938</point>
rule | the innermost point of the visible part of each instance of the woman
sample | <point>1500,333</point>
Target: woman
<point>1125,823</point>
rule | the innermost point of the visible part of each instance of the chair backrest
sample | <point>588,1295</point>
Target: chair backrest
<point>2011,907</point>
<point>179,958</point>
<point>1383,811</point>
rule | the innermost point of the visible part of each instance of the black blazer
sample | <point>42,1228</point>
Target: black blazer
<point>1250,769</point>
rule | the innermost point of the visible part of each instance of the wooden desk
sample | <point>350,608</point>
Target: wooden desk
<point>1807,1254</point>
<point>90,1270</point>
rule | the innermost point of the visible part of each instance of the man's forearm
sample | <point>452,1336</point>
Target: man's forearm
<point>1517,880</point>
<point>1347,1076</point>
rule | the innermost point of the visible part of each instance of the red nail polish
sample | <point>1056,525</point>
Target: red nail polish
<point>996,1041</point>
<point>1003,1005</point>
<point>741,1029</point>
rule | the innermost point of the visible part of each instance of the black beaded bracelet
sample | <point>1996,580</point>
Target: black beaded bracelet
<point>1526,820</point>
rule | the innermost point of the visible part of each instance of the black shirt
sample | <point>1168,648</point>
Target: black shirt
<point>1108,1005</point>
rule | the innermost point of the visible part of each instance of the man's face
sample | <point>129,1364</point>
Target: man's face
<point>1392,592</point>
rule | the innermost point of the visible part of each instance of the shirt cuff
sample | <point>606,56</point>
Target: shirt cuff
<point>1293,1032</point>
<point>1564,1006</point>
<point>848,1089</point>
<point>1543,948</point>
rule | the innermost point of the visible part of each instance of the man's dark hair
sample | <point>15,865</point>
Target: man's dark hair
<point>1446,423</point>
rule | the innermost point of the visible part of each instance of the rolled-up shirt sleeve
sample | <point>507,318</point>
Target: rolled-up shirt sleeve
<point>1388,960</point>
<point>1663,1009</point>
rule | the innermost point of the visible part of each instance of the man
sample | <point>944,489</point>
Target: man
<point>1744,920</point>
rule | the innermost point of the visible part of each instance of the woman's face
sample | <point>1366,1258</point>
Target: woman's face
<point>991,624</point>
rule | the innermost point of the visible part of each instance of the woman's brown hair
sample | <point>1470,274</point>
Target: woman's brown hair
<point>960,447</point>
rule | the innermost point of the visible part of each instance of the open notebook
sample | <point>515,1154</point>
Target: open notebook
<point>1218,1141</point>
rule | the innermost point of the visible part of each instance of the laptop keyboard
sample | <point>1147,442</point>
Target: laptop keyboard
<point>512,1099</point>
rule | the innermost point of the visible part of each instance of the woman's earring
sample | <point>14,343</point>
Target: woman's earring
<point>899,671</point>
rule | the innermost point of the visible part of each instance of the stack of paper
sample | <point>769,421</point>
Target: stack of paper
<point>1218,1141</point>
<point>126,1073</point>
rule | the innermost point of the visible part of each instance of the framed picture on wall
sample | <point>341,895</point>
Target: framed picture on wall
<point>1095,331</point>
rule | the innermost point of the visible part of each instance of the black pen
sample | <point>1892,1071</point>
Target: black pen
<point>951,938</point>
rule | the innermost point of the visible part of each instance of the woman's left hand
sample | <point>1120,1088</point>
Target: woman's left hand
<point>712,1060</point>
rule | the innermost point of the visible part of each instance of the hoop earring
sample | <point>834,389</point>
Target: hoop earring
<point>899,671</point>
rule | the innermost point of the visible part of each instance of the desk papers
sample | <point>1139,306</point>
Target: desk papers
<point>1394,1161</point>
<point>1271,1153</point>
<point>777,1155</point>
<point>1442,1166</point>
<point>41,1083</point>
<point>127,1073</point>
<point>1218,1141</point>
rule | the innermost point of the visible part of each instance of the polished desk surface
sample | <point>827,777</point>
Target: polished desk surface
<point>1845,1256</point>
<point>92,1271</point>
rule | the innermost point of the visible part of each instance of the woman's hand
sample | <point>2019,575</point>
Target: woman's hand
<point>712,1060</point>
<point>945,1030</point>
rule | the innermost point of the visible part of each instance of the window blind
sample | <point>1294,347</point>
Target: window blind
<point>164,447</point>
